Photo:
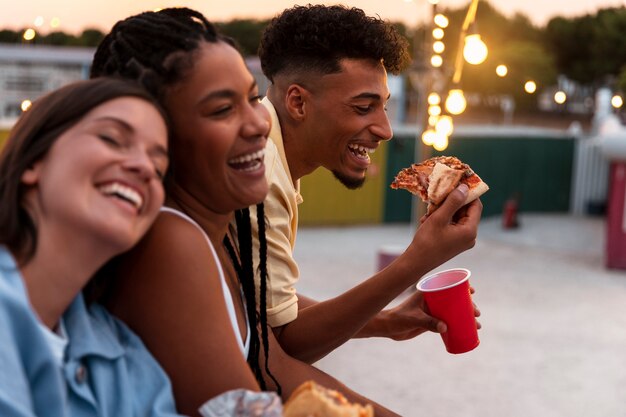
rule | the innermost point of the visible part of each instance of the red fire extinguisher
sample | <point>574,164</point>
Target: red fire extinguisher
<point>509,214</point>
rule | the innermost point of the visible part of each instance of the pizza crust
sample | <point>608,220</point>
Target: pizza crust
<point>313,400</point>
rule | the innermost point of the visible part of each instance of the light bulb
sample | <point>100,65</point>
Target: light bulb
<point>436,61</point>
<point>456,103</point>
<point>439,47</point>
<point>617,101</point>
<point>475,51</point>
<point>434,99</point>
<point>26,105</point>
<point>438,33</point>
<point>428,137</point>
<point>441,142</point>
<point>434,110</point>
<point>560,97</point>
<point>530,87</point>
<point>502,70</point>
<point>29,34</point>
<point>441,20</point>
<point>444,125</point>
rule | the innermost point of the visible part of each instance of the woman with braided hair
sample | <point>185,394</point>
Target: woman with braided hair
<point>188,288</point>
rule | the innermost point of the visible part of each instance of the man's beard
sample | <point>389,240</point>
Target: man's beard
<point>349,182</point>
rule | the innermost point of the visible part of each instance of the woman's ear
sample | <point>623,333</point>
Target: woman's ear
<point>31,175</point>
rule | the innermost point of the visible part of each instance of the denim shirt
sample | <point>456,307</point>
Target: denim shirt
<point>107,371</point>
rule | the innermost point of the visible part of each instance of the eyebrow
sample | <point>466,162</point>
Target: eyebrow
<point>372,96</point>
<point>226,93</point>
<point>122,123</point>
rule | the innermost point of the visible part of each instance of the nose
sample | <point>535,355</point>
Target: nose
<point>140,163</point>
<point>381,128</point>
<point>257,122</point>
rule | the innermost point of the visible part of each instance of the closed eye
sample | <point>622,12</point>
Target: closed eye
<point>109,139</point>
<point>221,111</point>
<point>363,109</point>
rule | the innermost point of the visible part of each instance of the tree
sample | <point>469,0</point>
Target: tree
<point>10,36</point>
<point>246,32</point>
<point>590,48</point>
<point>91,37</point>
<point>57,38</point>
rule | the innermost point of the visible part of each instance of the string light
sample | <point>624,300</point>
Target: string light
<point>26,105</point>
<point>434,110</point>
<point>502,70</point>
<point>440,142</point>
<point>434,99</point>
<point>475,51</point>
<point>530,87</point>
<point>439,47</point>
<point>455,102</point>
<point>441,20</point>
<point>428,137</point>
<point>29,34</point>
<point>436,61</point>
<point>617,101</point>
<point>444,125</point>
<point>438,33</point>
<point>560,97</point>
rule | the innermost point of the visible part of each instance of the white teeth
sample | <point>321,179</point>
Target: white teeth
<point>252,167</point>
<point>361,149</point>
<point>258,155</point>
<point>126,193</point>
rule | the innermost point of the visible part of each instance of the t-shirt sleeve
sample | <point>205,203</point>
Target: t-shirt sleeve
<point>282,269</point>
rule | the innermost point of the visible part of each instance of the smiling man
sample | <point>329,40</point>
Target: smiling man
<point>328,70</point>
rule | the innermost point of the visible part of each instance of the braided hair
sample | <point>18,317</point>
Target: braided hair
<point>245,270</point>
<point>155,48</point>
<point>158,50</point>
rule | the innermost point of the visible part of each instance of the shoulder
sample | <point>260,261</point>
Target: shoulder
<point>170,238</point>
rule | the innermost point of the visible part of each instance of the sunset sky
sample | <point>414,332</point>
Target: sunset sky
<point>76,15</point>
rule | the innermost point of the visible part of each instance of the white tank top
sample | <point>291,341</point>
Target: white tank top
<point>230,306</point>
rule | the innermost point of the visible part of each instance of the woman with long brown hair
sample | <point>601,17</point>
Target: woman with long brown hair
<point>80,182</point>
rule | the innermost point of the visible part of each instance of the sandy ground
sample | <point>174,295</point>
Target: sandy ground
<point>553,342</point>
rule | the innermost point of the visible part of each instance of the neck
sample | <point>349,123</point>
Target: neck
<point>214,224</point>
<point>61,267</point>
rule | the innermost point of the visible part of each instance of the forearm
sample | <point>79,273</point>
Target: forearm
<point>291,373</point>
<point>322,327</point>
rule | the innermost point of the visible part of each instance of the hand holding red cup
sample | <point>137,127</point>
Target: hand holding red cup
<point>448,297</point>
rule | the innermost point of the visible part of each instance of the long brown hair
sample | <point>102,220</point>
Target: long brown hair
<point>30,139</point>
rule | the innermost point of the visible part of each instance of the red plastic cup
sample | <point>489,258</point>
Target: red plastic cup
<point>447,295</point>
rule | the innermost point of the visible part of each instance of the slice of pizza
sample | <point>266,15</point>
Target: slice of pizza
<point>435,178</point>
<point>313,400</point>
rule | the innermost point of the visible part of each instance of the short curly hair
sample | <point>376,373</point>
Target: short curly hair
<point>318,37</point>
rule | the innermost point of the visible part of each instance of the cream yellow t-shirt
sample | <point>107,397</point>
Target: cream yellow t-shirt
<point>281,214</point>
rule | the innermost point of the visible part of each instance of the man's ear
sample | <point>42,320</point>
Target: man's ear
<point>31,175</point>
<point>295,101</point>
